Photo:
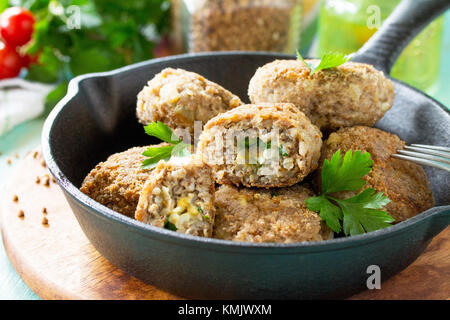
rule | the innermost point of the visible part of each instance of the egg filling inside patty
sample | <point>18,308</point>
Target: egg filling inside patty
<point>179,197</point>
<point>185,212</point>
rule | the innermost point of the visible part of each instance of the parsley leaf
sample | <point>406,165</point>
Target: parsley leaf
<point>328,61</point>
<point>155,155</point>
<point>360,213</point>
<point>345,175</point>
<point>162,132</point>
<point>175,148</point>
<point>170,226</point>
<point>155,151</point>
<point>72,37</point>
<point>181,150</point>
<point>329,212</point>
<point>282,150</point>
<point>250,144</point>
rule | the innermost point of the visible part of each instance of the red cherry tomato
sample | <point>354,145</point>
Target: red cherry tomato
<point>10,62</point>
<point>16,26</point>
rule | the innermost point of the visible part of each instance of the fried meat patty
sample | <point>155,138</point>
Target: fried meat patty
<point>118,181</point>
<point>348,95</point>
<point>178,98</point>
<point>264,145</point>
<point>179,197</point>
<point>260,215</point>
<point>403,182</point>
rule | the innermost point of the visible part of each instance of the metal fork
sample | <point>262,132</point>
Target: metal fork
<point>433,156</point>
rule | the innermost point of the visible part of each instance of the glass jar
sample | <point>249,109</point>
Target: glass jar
<point>176,35</point>
<point>345,25</point>
<point>245,25</point>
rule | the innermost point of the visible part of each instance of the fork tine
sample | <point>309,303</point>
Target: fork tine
<point>443,154</point>
<point>424,156</point>
<point>425,162</point>
<point>446,149</point>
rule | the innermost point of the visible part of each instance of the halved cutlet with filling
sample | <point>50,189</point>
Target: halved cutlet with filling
<point>179,197</point>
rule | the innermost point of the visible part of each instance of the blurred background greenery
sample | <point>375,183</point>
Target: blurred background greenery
<point>113,33</point>
<point>345,25</point>
<point>73,37</point>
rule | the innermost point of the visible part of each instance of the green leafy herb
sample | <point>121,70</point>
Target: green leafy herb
<point>155,155</point>
<point>200,209</point>
<point>345,174</point>
<point>73,37</point>
<point>175,148</point>
<point>162,132</point>
<point>329,212</point>
<point>251,142</point>
<point>170,226</point>
<point>359,214</point>
<point>362,214</point>
<point>54,96</point>
<point>181,150</point>
<point>282,150</point>
<point>328,61</point>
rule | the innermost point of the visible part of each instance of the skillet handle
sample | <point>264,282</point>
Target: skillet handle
<point>405,22</point>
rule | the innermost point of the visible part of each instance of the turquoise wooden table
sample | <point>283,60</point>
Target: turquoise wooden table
<point>27,136</point>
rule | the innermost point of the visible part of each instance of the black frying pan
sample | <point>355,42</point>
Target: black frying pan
<point>97,118</point>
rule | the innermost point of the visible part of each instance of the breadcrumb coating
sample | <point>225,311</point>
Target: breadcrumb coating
<point>348,95</point>
<point>403,182</point>
<point>260,215</point>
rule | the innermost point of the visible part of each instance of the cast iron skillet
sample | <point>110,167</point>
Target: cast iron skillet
<point>97,119</point>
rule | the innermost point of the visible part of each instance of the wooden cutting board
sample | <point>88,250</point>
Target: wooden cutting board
<point>52,255</point>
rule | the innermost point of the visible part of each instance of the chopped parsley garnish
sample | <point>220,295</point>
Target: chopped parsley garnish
<point>328,61</point>
<point>170,226</point>
<point>175,148</point>
<point>200,209</point>
<point>282,150</point>
<point>358,214</point>
<point>252,142</point>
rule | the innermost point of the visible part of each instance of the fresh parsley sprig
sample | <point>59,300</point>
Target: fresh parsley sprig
<point>328,61</point>
<point>175,146</point>
<point>162,132</point>
<point>359,214</point>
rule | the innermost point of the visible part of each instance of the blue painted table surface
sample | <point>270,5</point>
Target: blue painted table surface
<point>27,136</point>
